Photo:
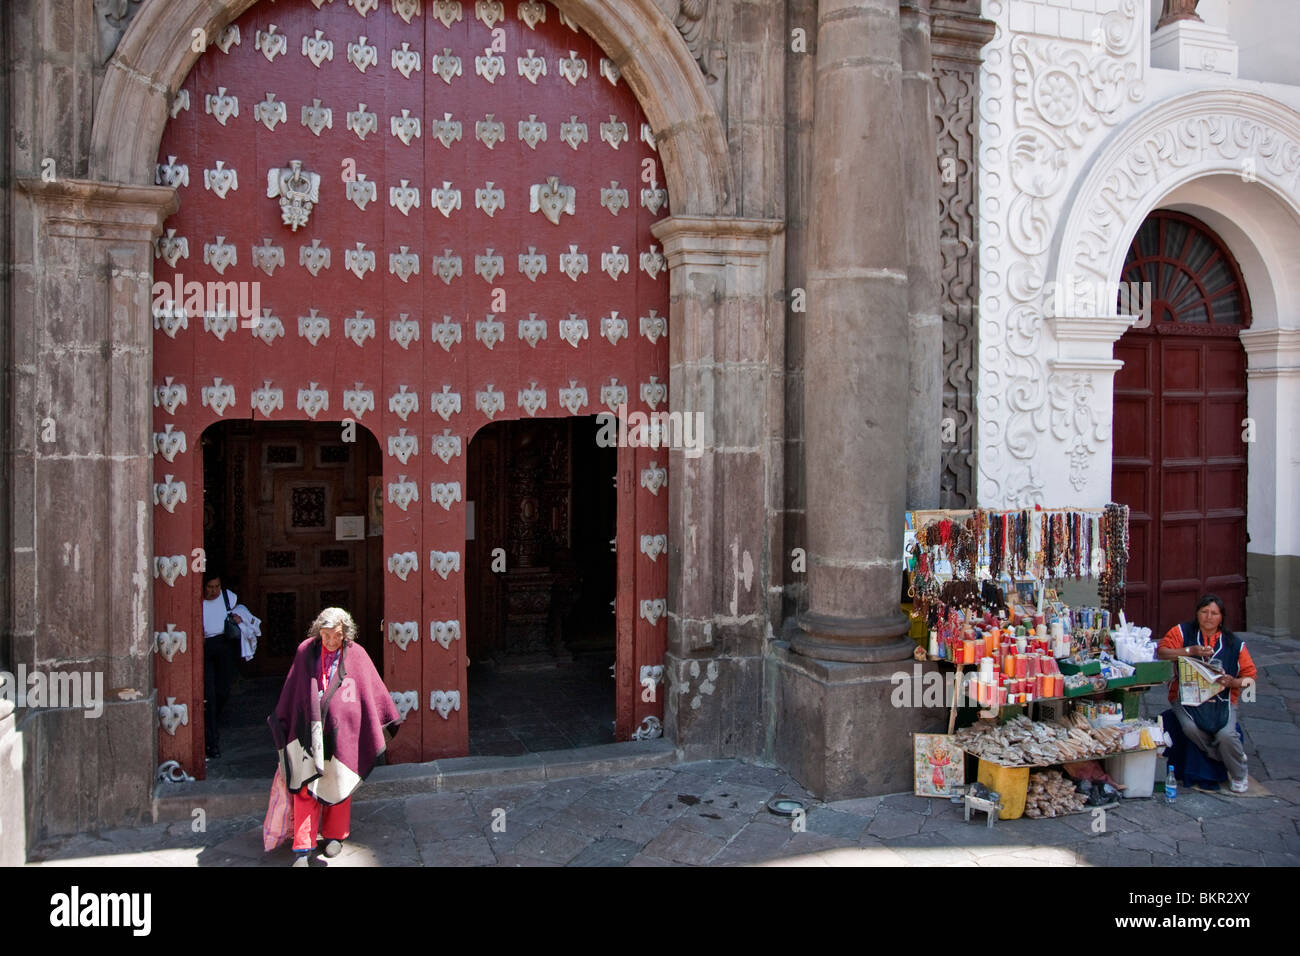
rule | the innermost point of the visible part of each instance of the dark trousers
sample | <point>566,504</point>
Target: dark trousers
<point>218,674</point>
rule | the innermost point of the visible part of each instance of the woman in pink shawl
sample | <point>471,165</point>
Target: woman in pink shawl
<point>329,730</point>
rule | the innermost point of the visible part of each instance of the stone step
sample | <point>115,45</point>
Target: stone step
<point>227,799</point>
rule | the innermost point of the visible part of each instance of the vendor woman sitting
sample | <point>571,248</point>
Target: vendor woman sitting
<point>1212,726</point>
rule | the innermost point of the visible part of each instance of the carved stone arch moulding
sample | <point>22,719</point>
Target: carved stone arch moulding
<point>650,55</point>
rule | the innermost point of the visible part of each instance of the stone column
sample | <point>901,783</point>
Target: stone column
<point>725,340</point>
<point>856,341</point>
<point>924,321</point>
<point>81,388</point>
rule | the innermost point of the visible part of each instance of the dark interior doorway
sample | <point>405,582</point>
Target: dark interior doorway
<point>540,592</point>
<point>272,492</point>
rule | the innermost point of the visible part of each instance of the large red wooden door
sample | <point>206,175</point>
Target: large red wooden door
<point>479,249</point>
<point>1180,401</point>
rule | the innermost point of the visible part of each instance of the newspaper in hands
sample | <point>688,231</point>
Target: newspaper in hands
<point>1198,681</point>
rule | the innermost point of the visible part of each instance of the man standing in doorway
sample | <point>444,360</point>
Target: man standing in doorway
<point>218,657</point>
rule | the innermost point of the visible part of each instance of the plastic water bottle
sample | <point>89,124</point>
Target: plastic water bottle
<point>1171,785</point>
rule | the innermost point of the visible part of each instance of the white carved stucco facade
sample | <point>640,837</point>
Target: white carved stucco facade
<point>1080,139</point>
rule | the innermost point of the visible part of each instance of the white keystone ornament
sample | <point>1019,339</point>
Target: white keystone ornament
<point>490,198</point>
<point>404,330</point>
<point>444,563</point>
<point>403,493</point>
<point>614,132</point>
<point>314,257</point>
<point>448,266</point>
<point>652,262</point>
<point>363,123</point>
<point>491,12</point>
<point>573,398</point>
<point>447,131</point>
<point>573,67</point>
<point>447,446</point>
<point>444,632</point>
<point>531,66</point>
<point>613,198</point>
<point>446,333</point>
<point>532,12</point>
<point>532,263</point>
<point>489,266</point>
<point>403,446</point>
<point>267,257</point>
<point>403,563</point>
<point>228,37</point>
<point>359,261</point>
<point>443,702</point>
<point>363,7</point>
<point>297,190</point>
<point>317,118</point>
<point>532,131</point>
<point>358,400</point>
<point>318,49</point>
<point>614,263</point>
<point>653,478</point>
<point>313,327</point>
<point>613,395</point>
<point>613,327</point>
<point>170,567</point>
<point>361,191</point>
<point>405,700</point>
<point>169,443</point>
<point>653,609</point>
<point>573,263</point>
<point>531,399</point>
<point>403,263</point>
<point>270,112</point>
<point>406,61</point>
<point>220,322</point>
<point>653,545</point>
<point>169,395</point>
<point>654,392</point>
<point>220,255</point>
<point>448,11</point>
<point>271,42</point>
<point>653,197</point>
<point>445,199</point>
<point>573,132</point>
<point>363,55</point>
<point>268,327</point>
<point>446,65</point>
<point>267,399</point>
<point>489,131</point>
<point>171,248</point>
<point>359,327</point>
<point>445,403</point>
<point>403,633</point>
<point>170,642</point>
<point>609,70</point>
<point>313,400</point>
<point>404,197</point>
<point>218,396</point>
<point>172,715</point>
<point>490,401</point>
<point>489,331</point>
<point>552,199</point>
<point>406,9</point>
<point>403,404</point>
<point>445,493</point>
<point>532,329</point>
<point>169,493</point>
<point>172,173</point>
<point>221,105</point>
<point>406,127</point>
<point>573,330</point>
<point>168,317</point>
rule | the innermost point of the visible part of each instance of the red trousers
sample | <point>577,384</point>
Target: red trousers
<point>309,814</point>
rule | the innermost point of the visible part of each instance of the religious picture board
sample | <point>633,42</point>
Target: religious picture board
<point>938,765</point>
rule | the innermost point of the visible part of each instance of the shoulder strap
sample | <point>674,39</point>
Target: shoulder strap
<point>225,598</point>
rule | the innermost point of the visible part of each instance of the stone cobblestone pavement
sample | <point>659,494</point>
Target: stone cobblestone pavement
<point>714,813</point>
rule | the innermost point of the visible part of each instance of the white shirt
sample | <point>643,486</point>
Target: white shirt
<point>214,614</point>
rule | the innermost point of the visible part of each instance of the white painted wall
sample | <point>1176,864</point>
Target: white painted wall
<point>1267,33</point>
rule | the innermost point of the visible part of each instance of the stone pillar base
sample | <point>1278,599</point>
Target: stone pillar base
<point>1273,594</point>
<point>1192,47</point>
<point>836,729</point>
<point>867,640</point>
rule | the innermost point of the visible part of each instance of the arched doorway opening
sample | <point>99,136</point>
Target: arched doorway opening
<point>1180,429</point>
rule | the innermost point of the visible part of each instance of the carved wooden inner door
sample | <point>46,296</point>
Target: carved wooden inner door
<point>444,209</point>
<point>1180,405</point>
